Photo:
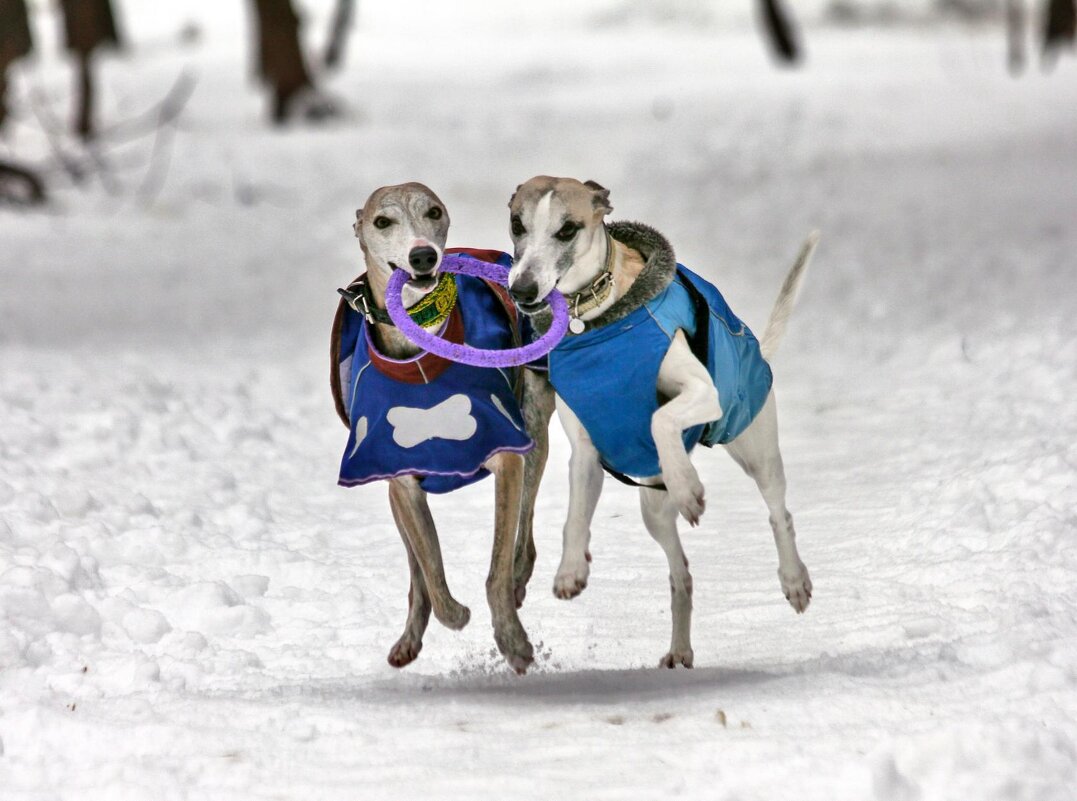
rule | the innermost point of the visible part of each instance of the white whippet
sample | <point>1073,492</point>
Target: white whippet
<point>561,240</point>
<point>405,227</point>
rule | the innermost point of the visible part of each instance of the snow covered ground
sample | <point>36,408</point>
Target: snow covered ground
<point>191,609</point>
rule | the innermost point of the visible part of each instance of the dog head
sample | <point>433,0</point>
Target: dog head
<point>404,226</point>
<point>558,236</point>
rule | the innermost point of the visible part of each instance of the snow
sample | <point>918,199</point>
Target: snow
<point>190,608</point>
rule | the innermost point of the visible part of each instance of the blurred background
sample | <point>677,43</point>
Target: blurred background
<point>189,603</point>
<point>202,160</point>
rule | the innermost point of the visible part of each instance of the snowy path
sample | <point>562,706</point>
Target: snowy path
<point>190,609</point>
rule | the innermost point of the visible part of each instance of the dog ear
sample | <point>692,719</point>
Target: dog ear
<point>514,194</point>
<point>601,197</point>
<point>358,224</point>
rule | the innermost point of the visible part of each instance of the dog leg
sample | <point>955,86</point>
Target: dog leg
<point>410,643</point>
<point>584,488</point>
<point>509,634</point>
<point>660,517</point>
<point>538,403</point>
<point>407,496</point>
<point>756,451</point>
<point>693,401</point>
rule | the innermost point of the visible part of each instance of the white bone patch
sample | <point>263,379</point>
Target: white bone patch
<point>501,408</point>
<point>450,419</point>
<point>360,434</point>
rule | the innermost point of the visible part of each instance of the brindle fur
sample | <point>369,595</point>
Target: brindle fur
<point>516,478</point>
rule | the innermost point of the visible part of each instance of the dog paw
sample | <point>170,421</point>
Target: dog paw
<point>682,656</point>
<point>687,495</point>
<point>455,616</point>
<point>513,644</point>
<point>404,652</point>
<point>796,584</point>
<point>571,578</point>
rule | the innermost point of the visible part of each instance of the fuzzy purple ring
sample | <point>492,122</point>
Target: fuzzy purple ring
<point>465,354</point>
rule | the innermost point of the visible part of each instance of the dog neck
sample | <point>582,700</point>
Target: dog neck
<point>388,338</point>
<point>623,263</point>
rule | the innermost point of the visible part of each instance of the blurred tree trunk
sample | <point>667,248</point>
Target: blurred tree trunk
<point>338,33</point>
<point>15,42</point>
<point>88,24</point>
<point>1060,29</point>
<point>779,31</point>
<point>1015,35</point>
<point>280,58</point>
<point>17,183</point>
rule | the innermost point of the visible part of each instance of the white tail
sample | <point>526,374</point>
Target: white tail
<point>787,298</point>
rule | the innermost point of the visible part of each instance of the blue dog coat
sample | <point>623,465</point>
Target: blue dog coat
<point>427,416</point>
<point>608,376</point>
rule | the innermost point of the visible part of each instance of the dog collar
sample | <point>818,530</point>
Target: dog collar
<point>594,294</point>
<point>432,310</point>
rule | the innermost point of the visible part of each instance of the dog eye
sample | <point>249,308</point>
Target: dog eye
<point>567,232</point>
<point>518,227</point>
<point>434,213</point>
<point>382,222</point>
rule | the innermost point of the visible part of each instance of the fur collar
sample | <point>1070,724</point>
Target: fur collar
<point>660,265</point>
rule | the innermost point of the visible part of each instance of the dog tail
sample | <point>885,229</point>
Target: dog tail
<point>787,298</point>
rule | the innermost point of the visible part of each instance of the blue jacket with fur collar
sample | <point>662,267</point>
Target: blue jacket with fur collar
<point>608,375</point>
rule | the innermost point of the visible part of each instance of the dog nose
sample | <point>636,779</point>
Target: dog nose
<point>524,290</point>
<point>423,259</point>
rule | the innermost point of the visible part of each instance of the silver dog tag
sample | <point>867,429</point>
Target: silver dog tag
<point>576,325</point>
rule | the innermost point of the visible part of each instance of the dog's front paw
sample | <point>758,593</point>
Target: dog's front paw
<point>513,644</point>
<point>678,657</point>
<point>796,584</point>
<point>404,652</point>
<point>453,616</point>
<point>571,578</point>
<point>686,491</point>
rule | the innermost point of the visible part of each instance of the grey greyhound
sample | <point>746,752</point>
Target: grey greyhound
<point>405,226</point>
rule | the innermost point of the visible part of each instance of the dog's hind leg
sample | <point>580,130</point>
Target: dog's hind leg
<point>417,524</point>
<point>509,634</point>
<point>410,643</point>
<point>756,451</point>
<point>584,488</point>
<point>660,517</point>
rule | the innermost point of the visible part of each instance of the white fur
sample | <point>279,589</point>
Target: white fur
<point>693,401</point>
<point>787,298</point>
<point>585,485</point>
<point>541,220</point>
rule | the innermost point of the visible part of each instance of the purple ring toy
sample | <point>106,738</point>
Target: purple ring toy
<point>465,354</point>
